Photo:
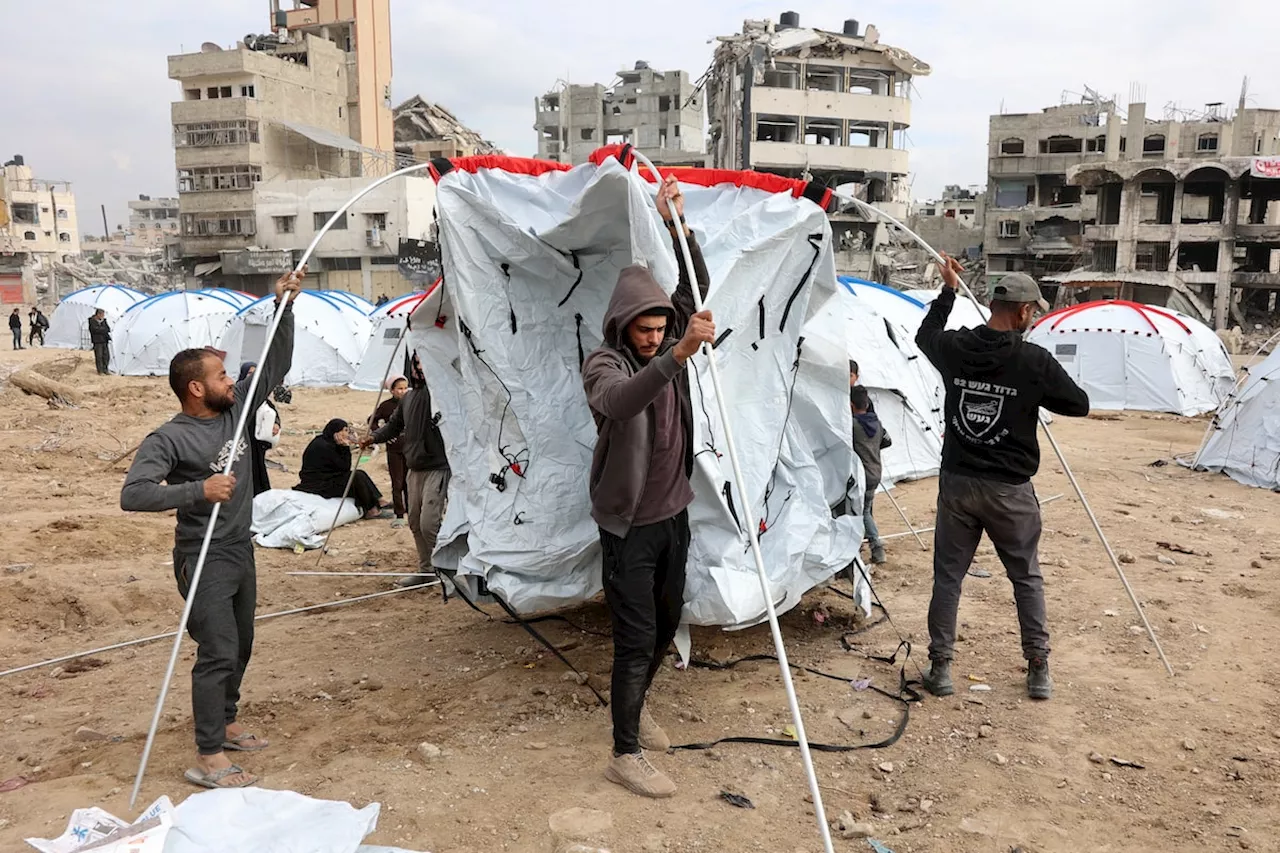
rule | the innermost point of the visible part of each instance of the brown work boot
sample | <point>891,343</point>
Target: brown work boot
<point>652,737</point>
<point>634,772</point>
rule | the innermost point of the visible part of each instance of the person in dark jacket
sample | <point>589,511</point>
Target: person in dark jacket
<point>326,467</point>
<point>428,475</point>
<point>100,337</point>
<point>396,468</point>
<point>15,326</point>
<point>995,384</point>
<point>869,438</point>
<point>36,324</point>
<point>637,386</point>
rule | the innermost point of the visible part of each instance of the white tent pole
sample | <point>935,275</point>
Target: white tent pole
<point>1102,537</point>
<point>231,461</point>
<point>752,537</point>
<point>1235,391</point>
<point>888,494</point>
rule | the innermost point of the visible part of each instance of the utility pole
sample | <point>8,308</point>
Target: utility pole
<point>106,231</point>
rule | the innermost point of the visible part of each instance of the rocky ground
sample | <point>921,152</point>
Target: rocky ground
<point>473,739</point>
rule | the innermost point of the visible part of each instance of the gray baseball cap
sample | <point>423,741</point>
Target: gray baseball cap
<point>1019,287</point>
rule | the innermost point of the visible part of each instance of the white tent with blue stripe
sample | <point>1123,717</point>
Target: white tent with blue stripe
<point>69,325</point>
<point>330,337</point>
<point>153,331</point>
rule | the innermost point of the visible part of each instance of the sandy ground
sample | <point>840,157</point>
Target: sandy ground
<point>347,695</point>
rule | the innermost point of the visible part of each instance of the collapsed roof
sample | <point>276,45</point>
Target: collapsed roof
<point>419,120</point>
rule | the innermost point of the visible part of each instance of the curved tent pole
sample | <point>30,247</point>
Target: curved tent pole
<point>231,460</point>
<point>1053,442</point>
<point>752,537</point>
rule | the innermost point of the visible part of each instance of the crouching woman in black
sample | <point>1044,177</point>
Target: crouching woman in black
<point>326,466</point>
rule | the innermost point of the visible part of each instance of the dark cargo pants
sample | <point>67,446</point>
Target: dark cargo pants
<point>644,590</point>
<point>1010,516</point>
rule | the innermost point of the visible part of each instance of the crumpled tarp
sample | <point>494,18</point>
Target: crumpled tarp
<point>283,518</point>
<point>530,263</point>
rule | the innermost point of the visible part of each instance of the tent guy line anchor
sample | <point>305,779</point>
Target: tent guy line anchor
<point>238,435</point>
<point>888,494</point>
<point>731,452</point>
<point>1053,442</point>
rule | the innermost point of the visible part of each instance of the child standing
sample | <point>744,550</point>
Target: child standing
<point>869,438</point>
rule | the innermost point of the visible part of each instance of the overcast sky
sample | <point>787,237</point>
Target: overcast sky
<point>87,95</point>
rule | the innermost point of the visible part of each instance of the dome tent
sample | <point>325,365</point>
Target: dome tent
<point>892,304</point>
<point>153,331</point>
<point>237,297</point>
<point>386,341</point>
<point>364,306</point>
<point>330,336</point>
<point>69,325</point>
<point>1244,442</point>
<point>964,315</point>
<point>1140,357</point>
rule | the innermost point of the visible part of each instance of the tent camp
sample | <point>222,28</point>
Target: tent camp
<point>364,306</point>
<point>1244,441</point>
<point>1132,356</point>
<point>237,297</point>
<point>330,336</point>
<point>386,341</point>
<point>532,251</point>
<point>153,331</point>
<point>69,325</point>
<point>905,388</point>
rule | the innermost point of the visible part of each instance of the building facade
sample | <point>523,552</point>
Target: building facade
<point>965,205</point>
<point>152,221</point>
<point>38,229</point>
<point>1171,211</point>
<point>657,112</point>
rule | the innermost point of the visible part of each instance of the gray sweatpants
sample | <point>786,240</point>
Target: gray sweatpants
<point>428,497</point>
<point>1010,516</point>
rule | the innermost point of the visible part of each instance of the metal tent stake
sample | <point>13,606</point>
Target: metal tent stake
<point>888,494</point>
<point>745,501</point>
<point>231,460</point>
<point>1053,442</point>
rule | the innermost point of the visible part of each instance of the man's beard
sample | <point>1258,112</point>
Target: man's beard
<point>223,404</point>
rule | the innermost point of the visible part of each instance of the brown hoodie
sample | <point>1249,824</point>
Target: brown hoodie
<point>626,398</point>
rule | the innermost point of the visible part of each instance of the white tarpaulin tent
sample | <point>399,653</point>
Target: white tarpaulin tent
<point>965,315</point>
<point>69,325</point>
<point>904,386</point>
<point>284,518</point>
<point>386,342</point>
<point>1132,356</point>
<point>330,336</point>
<point>1245,438</point>
<point>364,306</point>
<point>153,331</point>
<point>532,251</point>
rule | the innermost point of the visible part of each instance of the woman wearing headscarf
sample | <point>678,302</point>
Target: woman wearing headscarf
<point>266,434</point>
<point>396,467</point>
<point>326,466</point>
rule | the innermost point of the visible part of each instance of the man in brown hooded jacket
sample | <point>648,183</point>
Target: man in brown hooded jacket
<point>638,391</point>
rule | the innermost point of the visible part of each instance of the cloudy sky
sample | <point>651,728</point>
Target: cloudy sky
<point>88,98</point>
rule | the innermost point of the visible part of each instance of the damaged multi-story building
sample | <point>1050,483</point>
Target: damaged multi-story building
<point>1175,211</point>
<point>425,131</point>
<point>824,106</point>
<point>657,112</point>
<point>152,221</point>
<point>38,231</point>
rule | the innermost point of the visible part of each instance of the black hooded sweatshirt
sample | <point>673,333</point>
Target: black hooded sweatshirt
<point>995,383</point>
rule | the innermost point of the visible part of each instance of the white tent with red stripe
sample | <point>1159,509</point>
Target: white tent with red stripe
<point>386,341</point>
<point>531,253</point>
<point>1132,356</point>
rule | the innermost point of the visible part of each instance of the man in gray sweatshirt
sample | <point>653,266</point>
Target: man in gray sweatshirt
<point>638,391</point>
<point>179,466</point>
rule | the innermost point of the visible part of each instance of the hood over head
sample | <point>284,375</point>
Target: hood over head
<point>636,294</point>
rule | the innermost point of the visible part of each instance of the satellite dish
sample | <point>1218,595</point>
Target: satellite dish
<point>210,47</point>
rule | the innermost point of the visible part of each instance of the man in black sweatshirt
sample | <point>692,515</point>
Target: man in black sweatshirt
<point>995,383</point>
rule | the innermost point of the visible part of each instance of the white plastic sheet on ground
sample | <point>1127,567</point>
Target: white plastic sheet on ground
<point>386,342</point>
<point>504,376</point>
<point>283,518</point>
<point>153,331</point>
<point>1245,439</point>
<point>330,336</point>
<point>69,325</point>
<point>1138,357</point>
<point>244,820</point>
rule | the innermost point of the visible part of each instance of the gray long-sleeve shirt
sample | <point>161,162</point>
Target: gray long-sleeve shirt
<point>172,463</point>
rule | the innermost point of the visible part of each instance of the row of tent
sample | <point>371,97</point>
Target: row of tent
<point>333,330</point>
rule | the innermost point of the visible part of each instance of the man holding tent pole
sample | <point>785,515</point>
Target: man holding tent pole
<point>637,385</point>
<point>995,385</point>
<point>178,466</point>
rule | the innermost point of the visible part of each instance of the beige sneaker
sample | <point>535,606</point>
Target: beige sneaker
<point>652,737</point>
<point>637,775</point>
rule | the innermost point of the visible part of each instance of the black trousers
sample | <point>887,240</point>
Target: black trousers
<point>222,626</point>
<point>261,478</point>
<point>102,357</point>
<point>644,589</point>
<point>364,492</point>
<point>399,472</point>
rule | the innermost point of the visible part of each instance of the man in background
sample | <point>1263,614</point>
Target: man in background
<point>100,337</point>
<point>15,327</point>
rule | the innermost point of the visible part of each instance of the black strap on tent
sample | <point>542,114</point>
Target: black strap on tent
<point>533,632</point>
<point>766,522</point>
<point>506,270</point>
<point>728,498</point>
<point>577,281</point>
<point>718,341</point>
<point>577,320</point>
<point>815,240</point>
<point>760,310</point>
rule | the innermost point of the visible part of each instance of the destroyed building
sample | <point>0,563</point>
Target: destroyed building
<point>657,112</point>
<point>425,131</point>
<point>152,221</point>
<point>38,230</point>
<point>824,106</point>
<point>1182,211</point>
<point>952,223</point>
